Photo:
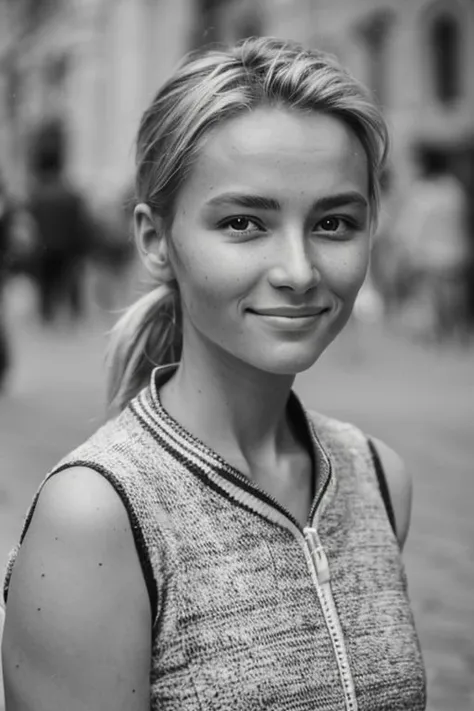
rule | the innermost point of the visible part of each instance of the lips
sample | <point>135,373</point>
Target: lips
<point>290,312</point>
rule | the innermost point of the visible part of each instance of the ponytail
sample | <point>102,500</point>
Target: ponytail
<point>148,334</point>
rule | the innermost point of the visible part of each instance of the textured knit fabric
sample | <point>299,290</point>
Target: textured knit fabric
<point>238,622</point>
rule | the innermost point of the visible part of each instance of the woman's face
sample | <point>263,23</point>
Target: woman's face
<point>270,241</point>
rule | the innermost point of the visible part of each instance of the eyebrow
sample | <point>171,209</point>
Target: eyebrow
<point>260,202</point>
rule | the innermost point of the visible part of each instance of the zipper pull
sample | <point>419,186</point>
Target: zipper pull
<point>318,555</point>
<point>322,565</point>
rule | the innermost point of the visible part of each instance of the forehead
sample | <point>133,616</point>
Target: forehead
<point>281,153</point>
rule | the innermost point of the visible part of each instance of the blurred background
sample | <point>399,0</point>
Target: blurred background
<point>75,76</point>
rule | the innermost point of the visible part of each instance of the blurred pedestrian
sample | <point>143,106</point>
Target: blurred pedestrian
<point>6,213</point>
<point>386,256</point>
<point>63,227</point>
<point>433,228</point>
<point>114,254</point>
<point>217,545</point>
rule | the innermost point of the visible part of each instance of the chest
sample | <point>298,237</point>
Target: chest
<point>249,625</point>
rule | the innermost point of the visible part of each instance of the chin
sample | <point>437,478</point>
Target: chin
<point>297,352</point>
<point>290,363</point>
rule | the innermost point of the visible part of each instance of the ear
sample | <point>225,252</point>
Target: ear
<point>152,243</point>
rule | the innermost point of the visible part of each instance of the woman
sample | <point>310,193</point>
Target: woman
<point>216,545</point>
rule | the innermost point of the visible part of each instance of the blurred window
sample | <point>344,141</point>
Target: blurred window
<point>445,45</point>
<point>249,26</point>
<point>56,71</point>
<point>37,11</point>
<point>206,30</point>
<point>374,30</point>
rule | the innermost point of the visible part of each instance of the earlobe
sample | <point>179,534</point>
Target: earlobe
<point>151,238</point>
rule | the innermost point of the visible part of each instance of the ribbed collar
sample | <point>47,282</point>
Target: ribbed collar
<point>202,460</point>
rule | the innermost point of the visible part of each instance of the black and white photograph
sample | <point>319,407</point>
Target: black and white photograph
<point>237,355</point>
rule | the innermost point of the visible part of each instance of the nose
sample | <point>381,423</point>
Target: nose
<point>295,268</point>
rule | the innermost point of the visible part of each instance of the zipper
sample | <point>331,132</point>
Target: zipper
<point>319,568</point>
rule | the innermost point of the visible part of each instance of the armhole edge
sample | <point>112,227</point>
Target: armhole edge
<point>383,485</point>
<point>137,533</point>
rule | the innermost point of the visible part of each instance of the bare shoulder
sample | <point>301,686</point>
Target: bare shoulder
<point>78,624</point>
<point>76,488</point>
<point>400,486</point>
<point>81,497</point>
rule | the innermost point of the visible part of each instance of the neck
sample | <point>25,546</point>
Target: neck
<point>236,409</point>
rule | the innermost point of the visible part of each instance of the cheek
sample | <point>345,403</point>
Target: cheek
<point>344,268</point>
<point>208,279</point>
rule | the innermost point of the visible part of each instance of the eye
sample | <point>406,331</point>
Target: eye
<point>337,226</point>
<point>331,224</point>
<point>240,224</point>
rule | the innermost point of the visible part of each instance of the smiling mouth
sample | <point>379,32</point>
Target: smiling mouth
<point>288,313</point>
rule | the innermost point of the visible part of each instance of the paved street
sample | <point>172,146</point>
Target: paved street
<point>419,400</point>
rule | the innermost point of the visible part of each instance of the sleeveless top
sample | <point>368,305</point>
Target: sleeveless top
<point>251,610</point>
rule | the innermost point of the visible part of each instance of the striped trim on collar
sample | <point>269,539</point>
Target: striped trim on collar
<point>211,467</point>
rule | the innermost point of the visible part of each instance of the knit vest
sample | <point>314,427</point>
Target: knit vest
<point>250,610</point>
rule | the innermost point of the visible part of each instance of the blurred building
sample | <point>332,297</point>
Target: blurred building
<point>93,65</point>
<point>96,63</point>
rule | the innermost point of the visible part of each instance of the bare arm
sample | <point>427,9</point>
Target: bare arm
<point>400,486</point>
<point>78,624</point>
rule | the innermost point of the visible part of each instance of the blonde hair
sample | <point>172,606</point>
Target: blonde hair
<point>209,87</point>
